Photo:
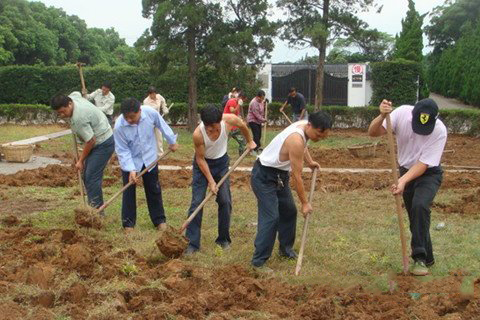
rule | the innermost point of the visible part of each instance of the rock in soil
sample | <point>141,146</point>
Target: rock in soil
<point>171,243</point>
<point>87,218</point>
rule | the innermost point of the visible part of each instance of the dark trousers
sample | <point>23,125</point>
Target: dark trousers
<point>276,211</point>
<point>237,135</point>
<point>418,197</point>
<point>94,166</point>
<point>153,193</point>
<point>218,168</point>
<point>257,133</point>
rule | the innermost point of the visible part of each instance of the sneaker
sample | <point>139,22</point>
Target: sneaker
<point>162,226</point>
<point>128,230</point>
<point>419,268</point>
<point>288,253</point>
<point>190,251</point>
<point>262,269</point>
<point>430,263</point>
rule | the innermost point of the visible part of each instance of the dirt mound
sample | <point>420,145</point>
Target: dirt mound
<point>469,205</point>
<point>171,243</point>
<point>88,218</point>
<point>73,272</point>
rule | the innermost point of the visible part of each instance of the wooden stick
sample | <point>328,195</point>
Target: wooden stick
<point>154,163</point>
<point>398,199</point>
<point>210,194</point>
<point>460,167</point>
<point>82,80</point>
<point>305,225</point>
<point>264,136</point>
<point>76,157</point>
<point>289,121</point>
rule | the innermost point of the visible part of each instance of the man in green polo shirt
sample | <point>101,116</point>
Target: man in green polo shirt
<point>93,130</point>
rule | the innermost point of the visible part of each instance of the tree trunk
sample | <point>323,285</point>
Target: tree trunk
<point>322,52</point>
<point>192,80</point>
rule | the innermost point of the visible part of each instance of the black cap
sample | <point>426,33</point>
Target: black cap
<point>424,116</point>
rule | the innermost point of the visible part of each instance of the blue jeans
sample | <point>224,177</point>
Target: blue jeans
<point>276,211</point>
<point>94,166</point>
<point>153,193</point>
<point>296,117</point>
<point>218,168</point>
<point>418,197</point>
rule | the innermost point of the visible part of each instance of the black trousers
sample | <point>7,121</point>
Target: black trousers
<point>418,197</point>
<point>153,192</point>
<point>257,133</point>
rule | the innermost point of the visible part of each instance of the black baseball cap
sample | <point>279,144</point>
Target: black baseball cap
<point>424,116</point>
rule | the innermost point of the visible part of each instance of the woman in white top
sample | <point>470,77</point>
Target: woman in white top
<point>157,102</point>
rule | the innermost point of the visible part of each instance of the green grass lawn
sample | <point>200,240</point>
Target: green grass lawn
<point>356,242</point>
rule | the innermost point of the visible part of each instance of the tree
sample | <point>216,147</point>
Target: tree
<point>200,33</point>
<point>31,33</point>
<point>314,23</point>
<point>409,44</point>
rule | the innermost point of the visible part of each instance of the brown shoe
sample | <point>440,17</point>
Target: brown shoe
<point>162,226</point>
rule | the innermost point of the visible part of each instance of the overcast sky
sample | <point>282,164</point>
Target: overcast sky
<point>126,17</point>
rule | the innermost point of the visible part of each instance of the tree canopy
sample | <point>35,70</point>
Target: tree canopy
<point>31,33</point>
<point>409,43</point>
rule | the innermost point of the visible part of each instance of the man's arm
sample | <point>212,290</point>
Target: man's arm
<point>304,108</point>
<point>202,163</point>
<point>167,132</point>
<point>376,128</point>
<point>87,147</point>
<point>124,154</point>
<point>414,172</point>
<point>309,160</point>
<point>295,148</point>
<point>233,120</point>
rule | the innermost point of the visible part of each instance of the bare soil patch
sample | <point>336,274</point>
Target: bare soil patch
<point>469,204</point>
<point>72,270</point>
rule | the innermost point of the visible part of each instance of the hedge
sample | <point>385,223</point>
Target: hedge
<point>457,120</point>
<point>396,81</point>
<point>37,84</point>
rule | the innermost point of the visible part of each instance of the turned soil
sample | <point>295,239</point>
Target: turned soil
<point>72,273</point>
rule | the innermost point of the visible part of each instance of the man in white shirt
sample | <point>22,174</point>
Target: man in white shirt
<point>157,102</point>
<point>421,138</point>
<point>270,182</point>
<point>104,100</point>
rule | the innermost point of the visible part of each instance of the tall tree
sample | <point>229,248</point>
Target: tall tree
<point>314,23</point>
<point>409,44</point>
<point>200,33</point>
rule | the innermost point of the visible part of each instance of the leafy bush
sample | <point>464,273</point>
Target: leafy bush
<point>396,81</point>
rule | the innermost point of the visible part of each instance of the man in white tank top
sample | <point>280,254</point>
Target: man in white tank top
<point>270,183</point>
<point>210,164</point>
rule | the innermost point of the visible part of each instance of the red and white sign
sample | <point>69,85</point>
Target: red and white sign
<point>357,69</point>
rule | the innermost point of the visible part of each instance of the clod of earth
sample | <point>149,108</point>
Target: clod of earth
<point>88,218</point>
<point>171,243</point>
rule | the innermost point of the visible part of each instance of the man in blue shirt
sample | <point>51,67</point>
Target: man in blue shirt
<point>298,103</point>
<point>136,148</point>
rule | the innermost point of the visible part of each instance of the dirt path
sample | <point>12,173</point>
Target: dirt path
<point>447,103</point>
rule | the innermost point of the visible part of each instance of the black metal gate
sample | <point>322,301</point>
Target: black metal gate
<point>335,90</point>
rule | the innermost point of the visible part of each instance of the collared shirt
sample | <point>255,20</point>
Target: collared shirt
<point>256,112</point>
<point>298,103</point>
<point>88,121</point>
<point>413,147</point>
<point>158,104</point>
<point>104,103</point>
<point>135,144</point>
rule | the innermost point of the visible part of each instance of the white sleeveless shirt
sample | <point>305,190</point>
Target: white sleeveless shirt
<point>218,148</point>
<point>270,156</point>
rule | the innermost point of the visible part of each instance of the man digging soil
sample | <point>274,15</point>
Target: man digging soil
<point>270,183</point>
<point>421,138</point>
<point>210,164</point>
<point>136,148</point>
<point>91,126</point>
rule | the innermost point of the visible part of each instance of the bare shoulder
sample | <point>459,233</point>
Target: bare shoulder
<point>294,142</point>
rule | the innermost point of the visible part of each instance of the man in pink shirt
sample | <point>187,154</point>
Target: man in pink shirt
<point>421,138</point>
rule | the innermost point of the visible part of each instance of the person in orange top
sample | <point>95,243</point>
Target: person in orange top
<point>234,106</point>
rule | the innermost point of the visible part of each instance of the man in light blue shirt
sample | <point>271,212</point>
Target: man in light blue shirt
<point>136,148</point>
